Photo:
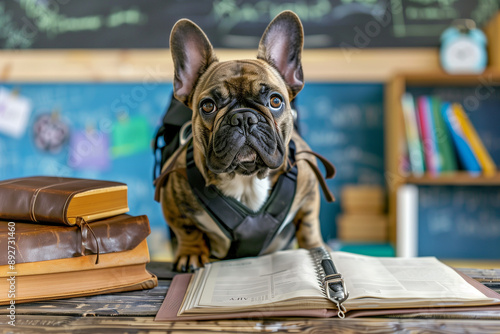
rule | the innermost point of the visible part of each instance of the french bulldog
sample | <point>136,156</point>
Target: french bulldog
<point>242,127</point>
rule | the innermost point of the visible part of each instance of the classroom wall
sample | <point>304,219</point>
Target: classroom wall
<point>110,101</point>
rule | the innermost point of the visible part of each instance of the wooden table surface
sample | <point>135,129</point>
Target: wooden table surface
<point>133,312</point>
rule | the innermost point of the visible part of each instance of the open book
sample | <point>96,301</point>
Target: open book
<point>289,283</point>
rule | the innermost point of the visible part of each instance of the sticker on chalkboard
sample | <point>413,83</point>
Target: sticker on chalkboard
<point>14,113</point>
<point>89,150</point>
<point>131,135</point>
<point>50,133</point>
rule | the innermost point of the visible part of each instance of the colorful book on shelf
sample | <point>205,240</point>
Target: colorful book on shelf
<point>428,135</point>
<point>446,154</point>
<point>60,200</point>
<point>291,283</point>
<point>486,162</point>
<point>463,147</point>
<point>415,151</point>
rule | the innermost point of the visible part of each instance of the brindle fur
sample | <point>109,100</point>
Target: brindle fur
<point>234,84</point>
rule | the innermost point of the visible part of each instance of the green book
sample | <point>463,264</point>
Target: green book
<point>446,155</point>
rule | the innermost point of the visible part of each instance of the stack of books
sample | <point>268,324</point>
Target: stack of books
<point>362,218</point>
<point>441,138</point>
<point>69,237</point>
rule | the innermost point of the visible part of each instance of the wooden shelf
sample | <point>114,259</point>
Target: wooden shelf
<point>395,136</point>
<point>101,65</point>
<point>457,178</point>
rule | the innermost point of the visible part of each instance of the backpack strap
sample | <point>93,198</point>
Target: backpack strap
<point>330,173</point>
<point>160,181</point>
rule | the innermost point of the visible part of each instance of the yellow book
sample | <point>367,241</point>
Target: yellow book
<point>485,160</point>
<point>138,255</point>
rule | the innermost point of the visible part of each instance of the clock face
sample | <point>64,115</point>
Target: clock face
<point>463,55</point>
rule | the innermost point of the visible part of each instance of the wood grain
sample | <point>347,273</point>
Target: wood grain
<point>320,65</point>
<point>63,324</point>
<point>133,312</point>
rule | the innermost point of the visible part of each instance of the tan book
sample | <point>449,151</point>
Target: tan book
<point>60,200</point>
<point>291,283</point>
<point>362,227</point>
<point>138,255</point>
<point>23,289</point>
<point>362,199</point>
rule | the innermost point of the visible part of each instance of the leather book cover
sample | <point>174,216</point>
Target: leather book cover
<point>58,200</point>
<point>36,242</point>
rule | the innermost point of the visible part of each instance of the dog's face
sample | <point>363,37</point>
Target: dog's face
<point>242,118</point>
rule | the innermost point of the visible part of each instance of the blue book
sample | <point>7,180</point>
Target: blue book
<point>465,153</point>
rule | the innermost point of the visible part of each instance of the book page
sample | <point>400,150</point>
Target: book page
<point>401,280</point>
<point>260,280</point>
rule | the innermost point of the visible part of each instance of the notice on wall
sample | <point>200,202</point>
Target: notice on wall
<point>14,113</point>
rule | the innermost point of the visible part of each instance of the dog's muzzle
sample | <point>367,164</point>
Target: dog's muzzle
<point>245,142</point>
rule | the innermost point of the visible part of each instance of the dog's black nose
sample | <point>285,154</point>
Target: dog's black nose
<point>244,119</point>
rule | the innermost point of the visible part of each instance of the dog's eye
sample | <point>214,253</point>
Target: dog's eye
<point>208,106</point>
<point>275,101</point>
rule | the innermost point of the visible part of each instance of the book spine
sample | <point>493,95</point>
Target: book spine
<point>465,152</point>
<point>443,137</point>
<point>428,136</point>
<point>412,134</point>
<point>477,146</point>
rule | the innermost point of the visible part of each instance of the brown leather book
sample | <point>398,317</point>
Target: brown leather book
<point>76,284</point>
<point>60,200</point>
<point>35,242</point>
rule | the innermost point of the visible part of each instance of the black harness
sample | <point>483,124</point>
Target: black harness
<point>251,233</point>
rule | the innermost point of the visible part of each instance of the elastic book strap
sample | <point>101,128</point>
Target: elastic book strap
<point>81,223</point>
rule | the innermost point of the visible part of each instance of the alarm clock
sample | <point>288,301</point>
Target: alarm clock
<point>463,48</point>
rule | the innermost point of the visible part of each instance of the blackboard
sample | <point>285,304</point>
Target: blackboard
<point>459,222</point>
<point>231,23</point>
<point>344,123</point>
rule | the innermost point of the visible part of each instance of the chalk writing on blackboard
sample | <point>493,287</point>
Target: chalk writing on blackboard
<point>231,23</point>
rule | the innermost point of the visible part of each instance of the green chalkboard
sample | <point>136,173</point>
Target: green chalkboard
<point>66,24</point>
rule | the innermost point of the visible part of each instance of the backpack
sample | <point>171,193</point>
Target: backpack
<point>175,128</point>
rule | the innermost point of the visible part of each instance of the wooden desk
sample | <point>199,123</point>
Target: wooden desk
<point>133,312</point>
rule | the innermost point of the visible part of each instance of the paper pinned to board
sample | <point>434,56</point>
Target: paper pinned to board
<point>89,150</point>
<point>15,112</point>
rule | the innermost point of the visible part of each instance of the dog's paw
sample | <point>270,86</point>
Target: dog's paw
<point>190,262</point>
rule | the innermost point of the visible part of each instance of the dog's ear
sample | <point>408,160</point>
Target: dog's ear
<point>281,46</point>
<point>192,54</point>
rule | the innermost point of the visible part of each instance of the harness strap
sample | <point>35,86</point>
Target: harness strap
<point>257,229</point>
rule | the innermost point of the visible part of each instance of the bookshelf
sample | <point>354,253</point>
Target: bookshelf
<point>395,137</point>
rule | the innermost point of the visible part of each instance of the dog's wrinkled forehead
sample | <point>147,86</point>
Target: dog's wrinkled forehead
<point>239,79</point>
